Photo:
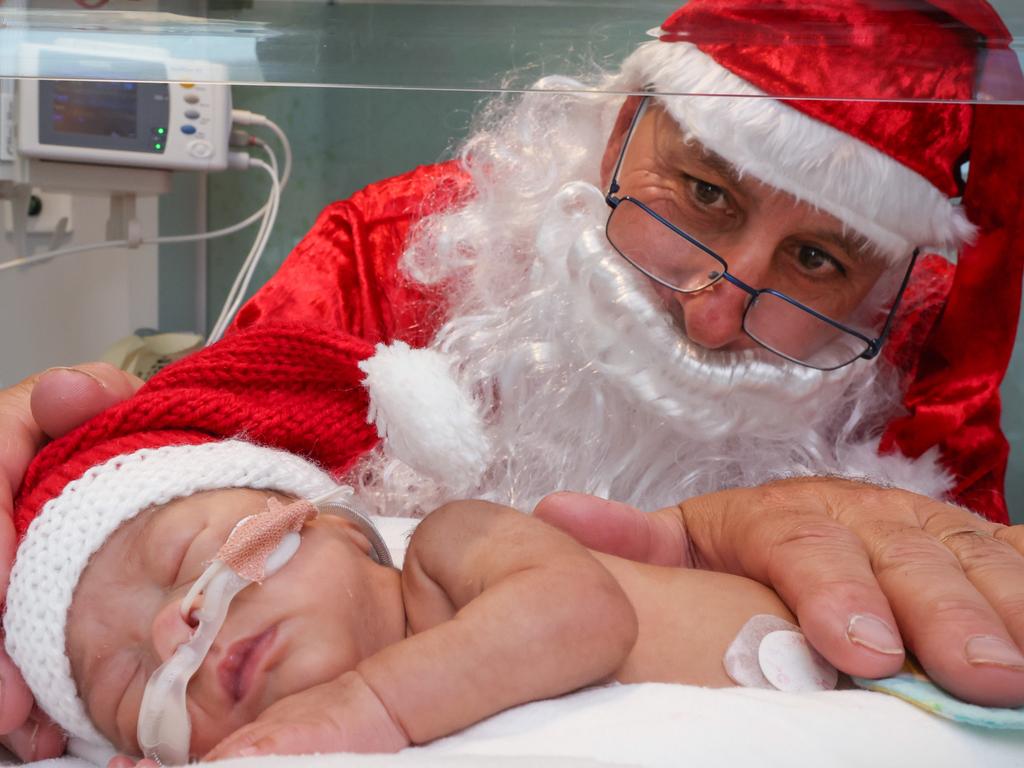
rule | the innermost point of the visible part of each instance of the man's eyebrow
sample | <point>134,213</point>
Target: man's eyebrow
<point>717,163</point>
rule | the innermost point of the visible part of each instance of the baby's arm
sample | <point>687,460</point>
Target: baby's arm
<point>504,609</point>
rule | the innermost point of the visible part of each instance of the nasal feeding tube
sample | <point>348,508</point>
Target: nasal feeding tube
<point>257,547</point>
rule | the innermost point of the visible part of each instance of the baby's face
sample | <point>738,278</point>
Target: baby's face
<point>329,607</point>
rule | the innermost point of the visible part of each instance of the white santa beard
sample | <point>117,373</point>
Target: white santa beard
<point>587,384</point>
<point>584,380</point>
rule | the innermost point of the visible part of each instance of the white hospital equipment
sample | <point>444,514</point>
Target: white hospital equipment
<point>174,125</point>
<point>104,135</point>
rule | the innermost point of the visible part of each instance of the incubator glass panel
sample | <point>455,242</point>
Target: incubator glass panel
<point>364,91</point>
<point>430,44</point>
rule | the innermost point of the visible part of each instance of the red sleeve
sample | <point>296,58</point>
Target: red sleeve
<point>958,414</point>
<point>291,386</point>
<point>286,375</point>
<point>344,274</point>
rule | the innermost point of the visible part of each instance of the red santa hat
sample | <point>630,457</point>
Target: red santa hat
<point>869,109</point>
<point>279,409</point>
<point>869,116</point>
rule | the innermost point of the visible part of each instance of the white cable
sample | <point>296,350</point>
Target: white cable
<point>236,295</point>
<point>254,259</point>
<point>166,240</point>
<point>257,249</point>
<point>271,156</point>
<point>268,212</point>
<point>62,252</point>
<point>208,235</point>
<point>242,277</point>
<point>245,117</point>
<point>283,138</point>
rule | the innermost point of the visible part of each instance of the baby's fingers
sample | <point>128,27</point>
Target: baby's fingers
<point>123,761</point>
<point>340,716</point>
<point>275,739</point>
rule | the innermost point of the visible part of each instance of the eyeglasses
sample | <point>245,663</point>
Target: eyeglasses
<point>674,258</point>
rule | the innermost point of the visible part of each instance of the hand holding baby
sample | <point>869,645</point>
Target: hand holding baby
<point>46,405</point>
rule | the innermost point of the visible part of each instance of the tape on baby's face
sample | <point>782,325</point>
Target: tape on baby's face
<point>772,653</point>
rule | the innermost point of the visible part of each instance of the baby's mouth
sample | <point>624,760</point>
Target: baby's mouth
<point>241,663</point>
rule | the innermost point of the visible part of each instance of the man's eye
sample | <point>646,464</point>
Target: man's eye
<point>816,260</point>
<point>706,193</point>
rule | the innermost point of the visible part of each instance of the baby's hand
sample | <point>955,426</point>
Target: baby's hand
<point>343,715</point>
<point>123,761</point>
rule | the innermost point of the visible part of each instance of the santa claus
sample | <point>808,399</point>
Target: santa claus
<point>625,290</point>
<point>719,326</point>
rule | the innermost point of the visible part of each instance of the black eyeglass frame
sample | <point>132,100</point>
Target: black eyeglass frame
<point>873,346</point>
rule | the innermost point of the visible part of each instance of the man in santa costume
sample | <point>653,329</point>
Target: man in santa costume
<point>658,298</point>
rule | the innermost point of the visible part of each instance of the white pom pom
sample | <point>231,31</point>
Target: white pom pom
<point>425,418</point>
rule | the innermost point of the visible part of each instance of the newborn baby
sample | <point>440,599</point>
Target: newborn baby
<point>118,519</point>
<point>491,609</point>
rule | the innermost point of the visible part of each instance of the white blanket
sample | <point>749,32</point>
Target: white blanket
<point>677,725</point>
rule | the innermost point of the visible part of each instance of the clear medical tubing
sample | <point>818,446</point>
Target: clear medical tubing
<point>164,729</point>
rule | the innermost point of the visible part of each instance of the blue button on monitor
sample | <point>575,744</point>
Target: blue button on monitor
<point>188,129</point>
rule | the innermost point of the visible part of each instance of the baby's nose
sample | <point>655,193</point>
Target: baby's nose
<point>170,629</point>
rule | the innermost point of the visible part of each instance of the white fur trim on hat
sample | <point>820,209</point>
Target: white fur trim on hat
<point>427,421</point>
<point>893,206</point>
<point>73,526</point>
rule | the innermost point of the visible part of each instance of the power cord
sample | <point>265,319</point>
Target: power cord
<point>236,295</point>
<point>167,240</point>
<point>267,213</point>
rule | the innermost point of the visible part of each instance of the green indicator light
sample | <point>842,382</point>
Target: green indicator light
<point>158,146</point>
<point>161,131</point>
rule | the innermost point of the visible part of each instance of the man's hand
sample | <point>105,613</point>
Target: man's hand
<point>47,405</point>
<point>344,715</point>
<point>854,562</point>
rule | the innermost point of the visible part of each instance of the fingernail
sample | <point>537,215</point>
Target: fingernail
<point>247,752</point>
<point>871,632</point>
<point>993,651</point>
<point>92,376</point>
<point>33,741</point>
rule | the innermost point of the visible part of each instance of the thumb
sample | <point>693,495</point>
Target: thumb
<point>64,398</point>
<point>657,538</point>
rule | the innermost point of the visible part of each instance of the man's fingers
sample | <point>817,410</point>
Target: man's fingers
<point>954,628</point>
<point>20,438</point>
<point>658,538</point>
<point>36,739</point>
<point>48,404</point>
<point>15,699</point>
<point>996,570</point>
<point>63,398</point>
<point>818,567</point>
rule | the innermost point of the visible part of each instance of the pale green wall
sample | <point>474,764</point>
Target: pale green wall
<point>347,138</point>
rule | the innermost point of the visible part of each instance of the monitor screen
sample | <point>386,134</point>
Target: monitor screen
<point>95,109</point>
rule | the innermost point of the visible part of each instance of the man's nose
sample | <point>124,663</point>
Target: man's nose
<point>170,629</point>
<point>714,317</point>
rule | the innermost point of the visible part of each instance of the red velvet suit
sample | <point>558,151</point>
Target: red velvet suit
<point>344,274</point>
<point>286,374</point>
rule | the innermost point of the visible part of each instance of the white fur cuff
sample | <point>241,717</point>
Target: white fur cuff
<point>425,418</point>
<point>73,526</point>
<point>895,207</point>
